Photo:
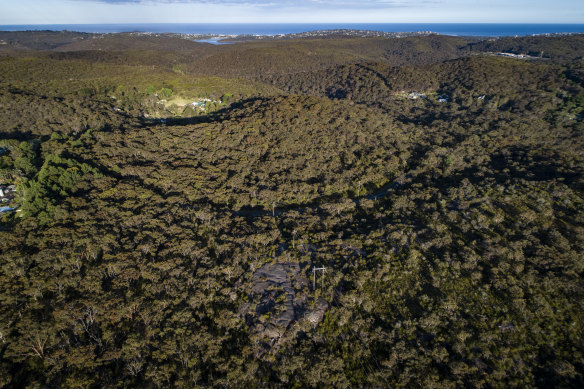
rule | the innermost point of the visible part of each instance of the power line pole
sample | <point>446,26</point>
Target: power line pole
<point>314,270</point>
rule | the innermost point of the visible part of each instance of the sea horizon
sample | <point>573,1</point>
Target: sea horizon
<point>455,29</point>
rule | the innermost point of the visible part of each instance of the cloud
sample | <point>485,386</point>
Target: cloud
<point>288,11</point>
<point>117,1</point>
<point>285,3</point>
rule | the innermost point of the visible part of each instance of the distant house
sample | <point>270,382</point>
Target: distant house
<point>7,193</point>
<point>518,56</point>
<point>416,95</point>
<point>198,104</point>
<point>443,99</point>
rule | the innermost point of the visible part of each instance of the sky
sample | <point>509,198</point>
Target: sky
<point>289,11</point>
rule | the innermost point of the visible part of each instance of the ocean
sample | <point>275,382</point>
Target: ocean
<point>459,29</point>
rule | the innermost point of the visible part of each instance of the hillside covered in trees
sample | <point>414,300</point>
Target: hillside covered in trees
<point>165,203</point>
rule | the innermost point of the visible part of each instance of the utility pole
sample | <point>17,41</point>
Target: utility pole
<point>314,270</point>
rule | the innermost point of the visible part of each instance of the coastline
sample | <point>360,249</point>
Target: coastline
<point>214,29</point>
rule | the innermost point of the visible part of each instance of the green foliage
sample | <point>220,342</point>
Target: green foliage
<point>57,178</point>
<point>166,92</point>
<point>144,252</point>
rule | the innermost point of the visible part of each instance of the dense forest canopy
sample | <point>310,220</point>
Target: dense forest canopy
<point>165,203</point>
